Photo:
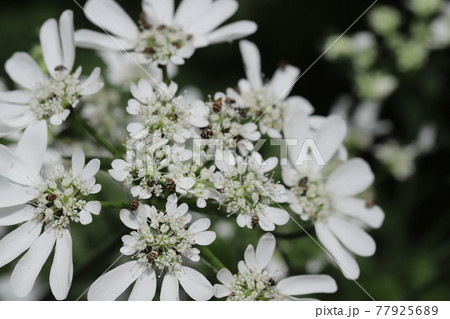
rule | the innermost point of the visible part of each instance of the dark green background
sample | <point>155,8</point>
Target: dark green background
<point>412,259</point>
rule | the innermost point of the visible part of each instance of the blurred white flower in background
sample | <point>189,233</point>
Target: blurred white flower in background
<point>363,124</point>
<point>399,159</point>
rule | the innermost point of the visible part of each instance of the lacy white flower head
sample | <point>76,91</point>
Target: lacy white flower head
<point>267,102</point>
<point>162,36</point>
<point>146,168</point>
<point>363,124</point>
<point>158,243</point>
<point>229,126</point>
<point>159,109</point>
<point>46,96</point>
<point>328,199</point>
<point>47,203</point>
<point>255,282</point>
<point>248,191</point>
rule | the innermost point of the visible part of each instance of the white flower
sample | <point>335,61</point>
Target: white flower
<point>255,281</point>
<point>228,126</point>
<point>267,102</point>
<point>162,36</point>
<point>46,205</point>
<point>158,241</point>
<point>248,191</point>
<point>159,109</point>
<point>149,165</point>
<point>328,199</point>
<point>48,97</point>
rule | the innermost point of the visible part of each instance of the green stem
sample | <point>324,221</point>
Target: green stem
<point>115,205</point>
<point>99,138</point>
<point>211,258</point>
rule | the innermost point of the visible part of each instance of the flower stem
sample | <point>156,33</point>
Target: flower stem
<point>99,138</point>
<point>115,204</point>
<point>211,258</point>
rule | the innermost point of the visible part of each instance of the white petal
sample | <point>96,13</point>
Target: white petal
<point>16,96</point>
<point>277,215</point>
<point>129,219</point>
<point>51,46</point>
<point>16,215</point>
<point>61,272</point>
<point>92,84</point>
<point>159,11</point>
<point>204,238</point>
<point>265,223</point>
<point>307,284</point>
<point>200,225</point>
<point>295,103</point>
<point>352,237</point>
<point>195,284</point>
<point>67,38</point>
<point>345,261</point>
<point>221,291</point>
<point>19,240</point>
<point>252,63</point>
<point>90,169</point>
<point>250,257</point>
<point>350,178</point>
<point>14,195</point>
<point>169,288</point>
<point>119,171</point>
<point>28,268</point>
<point>225,277</point>
<point>283,80</point>
<point>330,136</point>
<point>145,287</point>
<point>232,31</point>
<point>93,207</point>
<point>295,131</point>
<point>100,41</point>
<point>186,182</point>
<point>356,207</point>
<point>189,10</point>
<point>23,70</point>
<point>217,13</point>
<point>201,202</point>
<point>242,267</point>
<point>78,161</point>
<point>108,15</point>
<point>32,146</point>
<point>85,217</point>
<point>112,284</point>
<point>265,249</point>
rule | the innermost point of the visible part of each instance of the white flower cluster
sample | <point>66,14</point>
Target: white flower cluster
<point>158,241</point>
<point>178,149</point>
<point>61,196</point>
